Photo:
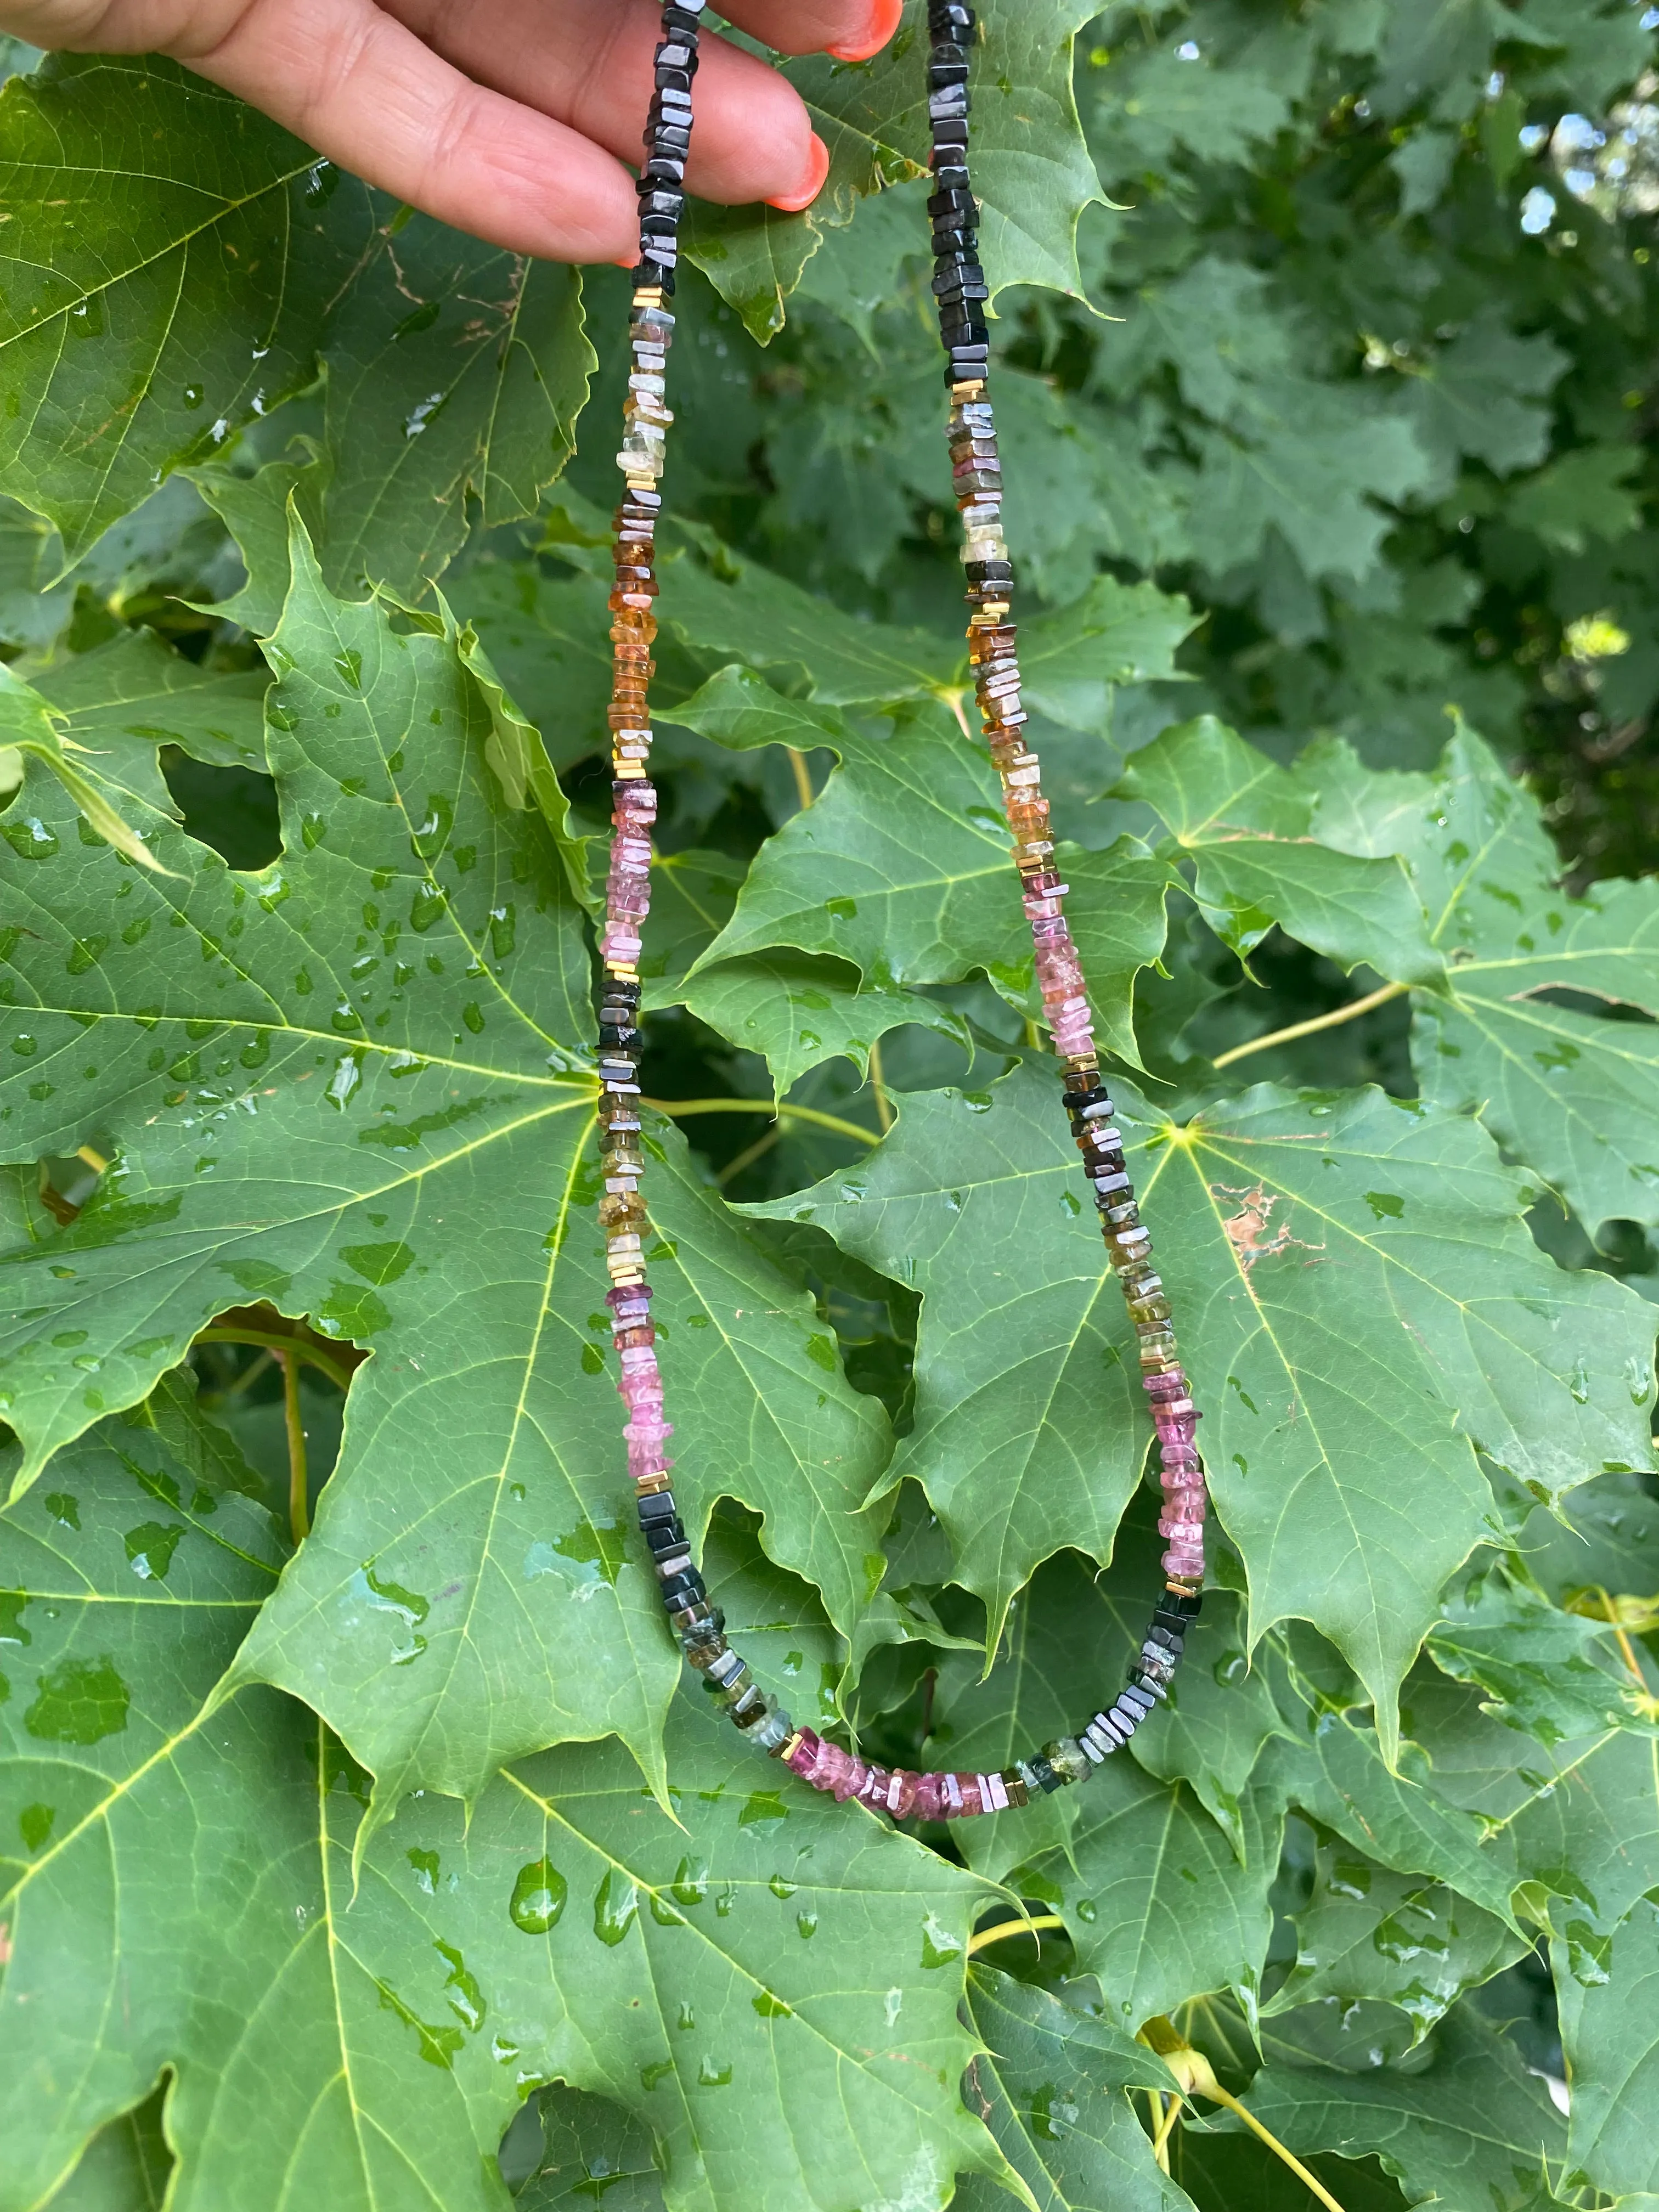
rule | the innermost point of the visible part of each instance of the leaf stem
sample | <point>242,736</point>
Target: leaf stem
<point>977,1943</point>
<point>678,1107</point>
<point>1165,2129</point>
<point>1334,1020</point>
<point>1196,2078</point>
<point>953,700</point>
<point>299,1494</point>
<point>749,1154</point>
<point>879,1090</point>
<point>804,791</point>
<point>1220,2096</point>
<point>273,1340</point>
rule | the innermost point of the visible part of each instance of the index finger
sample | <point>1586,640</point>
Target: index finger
<point>851,30</point>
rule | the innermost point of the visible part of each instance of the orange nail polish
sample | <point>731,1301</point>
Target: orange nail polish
<point>883,22</point>
<point>804,194</point>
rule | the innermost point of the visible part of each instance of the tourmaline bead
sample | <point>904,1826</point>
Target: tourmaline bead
<point>1065,1754</point>
<point>773,1730</point>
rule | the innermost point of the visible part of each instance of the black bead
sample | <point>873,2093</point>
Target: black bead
<point>952,200</point>
<point>950,176</point>
<point>623,993</point>
<point>989,572</point>
<point>954,241</point>
<point>662,169</point>
<point>948,66</point>
<point>1043,1773</point>
<point>1178,1602</point>
<point>682,20</point>
<point>950,19</point>
<point>655,225</point>
<point>657,1505</point>
<point>1167,1639</point>
<point>613,1038</point>
<point>665,1536</point>
<point>652,272</point>
<point>682,1590</point>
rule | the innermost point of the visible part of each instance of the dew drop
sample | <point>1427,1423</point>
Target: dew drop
<point>539,1896</point>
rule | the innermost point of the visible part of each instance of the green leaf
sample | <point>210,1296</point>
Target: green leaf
<point>1551,1673</point>
<point>1051,2083</point>
<point>152,324</point>
<point>1236,2173</point>
<point>1486,395</point>
<point>30,731</point>
<point>738,611</point>
<point>125,2168</point>
<point>1070,1637</point>
<point>549,636</point>
<point>1073,658</point>
<point>1368,1933</point>
<point>797,1013</point>
<point>456,373</point>
<point>1032,173</point>
<point>1584,494</point>
<point>134,688</point>
<point>590,2152</point>
<point>369,1060</point>
<point>1248,824</point>
<point>1609,2010</point>
<point>1474,2131</point>
<point>900,864</point>
<point>31,615</point>
<point>692,895</point>
<point>708,1973</point>
<point>1568,1091</point>
<point>1152,1895</point>
<point>1316,1248</point>
<point>1331,1765</point>
<point>1151,104</point>
<point>1443,47</point>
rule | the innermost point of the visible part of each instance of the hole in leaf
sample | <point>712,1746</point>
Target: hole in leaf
<point>65,1185</point>
<point>234,809</point>
<point>240,1360</point>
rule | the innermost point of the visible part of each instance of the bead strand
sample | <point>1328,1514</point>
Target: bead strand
<point>698,1625</point>
<point>960,288</point>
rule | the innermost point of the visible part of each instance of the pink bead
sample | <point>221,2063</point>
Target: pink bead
<point>972,1801</point>
<point>800,1760</point>
<point>1186,1510</point>
<point>929,1801</point>
<point>1182,1566</point>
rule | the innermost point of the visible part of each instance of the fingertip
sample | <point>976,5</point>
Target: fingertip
<point>883,22</point>
<point>810,185</point>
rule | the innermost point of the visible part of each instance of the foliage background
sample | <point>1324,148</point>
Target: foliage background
<point>1325,345</point>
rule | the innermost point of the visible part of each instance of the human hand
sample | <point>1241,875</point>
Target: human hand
<point>510,119</point>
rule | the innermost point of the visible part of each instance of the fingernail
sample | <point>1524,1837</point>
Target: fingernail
<point>883,22</point>
<point>804,194</point>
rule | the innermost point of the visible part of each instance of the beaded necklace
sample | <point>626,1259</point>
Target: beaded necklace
<point>960,290</point>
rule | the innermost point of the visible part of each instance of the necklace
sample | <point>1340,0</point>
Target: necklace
<point>960,288</point>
